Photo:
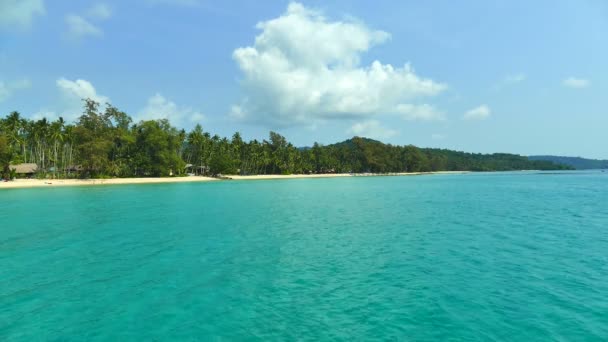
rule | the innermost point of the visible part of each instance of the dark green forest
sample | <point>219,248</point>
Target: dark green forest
<point>575,162</point>
<point>107,143</point>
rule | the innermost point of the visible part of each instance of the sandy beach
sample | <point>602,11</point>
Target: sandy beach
<point>332,175</point>
<point>39,183</point>
<point>46,183</point>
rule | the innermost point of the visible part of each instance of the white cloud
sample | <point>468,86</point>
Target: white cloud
<point>479,113</point>
<point>303,68</point>
<point>71,104</point>
<point>237,113</point>
<point>79,27</point>
<point>437,136</point>
<point>515,78</point>
<point>372,129</point>
<point>422,112</point>
<point>99,11</point>
<point>19,13</point>
<point>573,82</point>
<point>41,114</point>
<point>159,107</point>
<point>191,3</point>
<point>510,80</point>
<point>78,90</point>
<point>7,89</point>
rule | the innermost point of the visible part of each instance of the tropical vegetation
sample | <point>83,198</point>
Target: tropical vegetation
<point>107,143</point>
<point>575,162</point>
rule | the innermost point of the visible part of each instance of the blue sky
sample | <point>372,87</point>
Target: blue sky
<point>479,76</point>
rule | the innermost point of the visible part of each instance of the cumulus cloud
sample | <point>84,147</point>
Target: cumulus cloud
<point>372,129</point>
<point>73,93</point>
<point>7,89</point>
<point>479,113</point>
<point>78,90</point>
<point>19,13</point>
<point>573,82</point>
<point>303,68</point>
<point>159,107</point>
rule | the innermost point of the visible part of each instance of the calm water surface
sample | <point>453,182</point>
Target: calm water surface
<point>520,257</point>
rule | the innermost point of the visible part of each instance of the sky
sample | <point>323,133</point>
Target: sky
<point>526,77</point>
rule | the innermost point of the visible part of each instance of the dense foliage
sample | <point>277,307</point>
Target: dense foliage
<point>575,162</point>
<point>108,144</point>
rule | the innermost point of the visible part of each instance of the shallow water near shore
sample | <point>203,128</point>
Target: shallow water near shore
<point>503,256</point>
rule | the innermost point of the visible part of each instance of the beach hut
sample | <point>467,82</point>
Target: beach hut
<point>192,170</point>
<point>25,169</point>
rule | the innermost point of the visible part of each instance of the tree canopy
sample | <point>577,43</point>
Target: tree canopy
<point>106,143</point>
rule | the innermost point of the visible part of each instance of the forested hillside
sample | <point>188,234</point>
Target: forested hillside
<point>109,144</point>
<point>575,162</point>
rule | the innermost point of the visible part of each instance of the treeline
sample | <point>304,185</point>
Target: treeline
<point>109,144</point>
<point>367,155</point>
<point>575,162</point>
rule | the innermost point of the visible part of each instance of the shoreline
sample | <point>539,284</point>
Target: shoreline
<point>51,183</point>
<point>337,175</point>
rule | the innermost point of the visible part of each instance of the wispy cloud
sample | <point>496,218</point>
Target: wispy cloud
<point>510,80</point>
<point>515,78</point>
<point>19,13</point>
<point>159,107</point>
<point>99,11</point>
<point>574,82</point>
<point>423,112</point>
<point>8,88</point>
<point>188,3</point>
<point>478,113</point>
<point>81,26</point>
<point>372,129</point>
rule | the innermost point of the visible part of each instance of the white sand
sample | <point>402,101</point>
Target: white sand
<point>35,183</point>
<point>261,177</point>
<point>331,175</point>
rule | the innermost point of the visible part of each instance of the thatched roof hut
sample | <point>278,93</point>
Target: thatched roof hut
<point>24,169</point>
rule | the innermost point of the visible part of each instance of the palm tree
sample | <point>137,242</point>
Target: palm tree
<point>196,141</point>
<point>56,136</point>
<point>68,147</point>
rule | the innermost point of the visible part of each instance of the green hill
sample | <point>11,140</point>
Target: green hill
<point>368,155</point>
<point>575,162</point>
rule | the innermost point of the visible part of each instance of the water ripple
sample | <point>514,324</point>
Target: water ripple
<point>471,257</point>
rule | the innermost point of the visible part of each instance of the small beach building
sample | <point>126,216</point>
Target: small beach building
<point>25,169</point>
<point>195,169</point>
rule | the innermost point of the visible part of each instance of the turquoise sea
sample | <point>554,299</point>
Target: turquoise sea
<point>477,257</point>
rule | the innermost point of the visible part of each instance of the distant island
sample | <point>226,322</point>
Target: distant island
<point>577,163</point>
<point>108,144</point>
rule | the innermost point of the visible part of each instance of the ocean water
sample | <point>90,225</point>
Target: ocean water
<point>477,257</point>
